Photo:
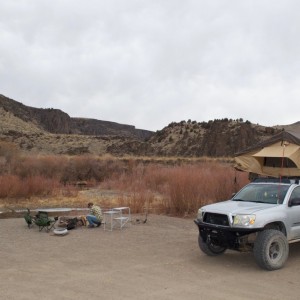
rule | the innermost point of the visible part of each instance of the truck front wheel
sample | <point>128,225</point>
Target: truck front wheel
<point>210,248</point>
<point>271,249</point>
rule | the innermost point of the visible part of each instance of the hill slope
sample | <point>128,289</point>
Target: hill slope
<point>57,121</point>
<point>51,131</point>
<point>214,138</point>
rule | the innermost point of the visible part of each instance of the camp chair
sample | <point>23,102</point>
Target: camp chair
<point>28,218</point>
<point>43,221</point>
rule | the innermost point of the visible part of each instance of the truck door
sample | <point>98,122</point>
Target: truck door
<point>294,214</point>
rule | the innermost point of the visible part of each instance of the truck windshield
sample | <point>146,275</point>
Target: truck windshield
<point>262,193</point>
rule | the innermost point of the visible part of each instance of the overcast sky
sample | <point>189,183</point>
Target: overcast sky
<point>148,63</point>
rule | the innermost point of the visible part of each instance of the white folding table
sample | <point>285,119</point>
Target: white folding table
<point>108,218</point>
<point>124,216</point>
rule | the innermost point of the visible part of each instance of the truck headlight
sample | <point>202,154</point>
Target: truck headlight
<point>244,220</point>
<point>200,214</point>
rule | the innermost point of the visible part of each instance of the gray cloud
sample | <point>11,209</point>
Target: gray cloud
<point>148,63</point>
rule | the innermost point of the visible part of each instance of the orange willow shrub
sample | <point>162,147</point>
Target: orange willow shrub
<point>133,185</point>
<point>187,187</point>
<point>182,189</point>
<point>12,186</point>
<point>175,187</point>
<point>193,186</point>
<point>137,201</point>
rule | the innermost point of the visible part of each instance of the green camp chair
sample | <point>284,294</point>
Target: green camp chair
<point>28,218</point>
<point>43,221</point>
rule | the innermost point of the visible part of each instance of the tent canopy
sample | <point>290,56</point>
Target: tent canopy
<point>276,156</point>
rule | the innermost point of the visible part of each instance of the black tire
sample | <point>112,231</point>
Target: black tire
<point>271,249</point>
<point>209,248</point>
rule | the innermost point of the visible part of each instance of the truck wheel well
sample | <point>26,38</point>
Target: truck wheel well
<point>277,226</point>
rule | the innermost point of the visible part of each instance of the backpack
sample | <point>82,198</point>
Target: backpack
<point>72,223</point>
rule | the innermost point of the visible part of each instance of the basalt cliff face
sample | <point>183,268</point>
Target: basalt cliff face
<point>52,131</point>
<point>218,138</point>
<point>58,122</point>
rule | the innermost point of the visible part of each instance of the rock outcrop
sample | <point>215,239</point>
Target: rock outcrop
<point>58,122</point>
<point>52,131</point>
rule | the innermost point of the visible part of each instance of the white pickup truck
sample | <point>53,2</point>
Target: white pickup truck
<point>263,217</point>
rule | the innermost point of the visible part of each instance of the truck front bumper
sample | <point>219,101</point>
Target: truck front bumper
<point>224,236</point>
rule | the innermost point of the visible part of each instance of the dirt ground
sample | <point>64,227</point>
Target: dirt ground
<point>156,260</point>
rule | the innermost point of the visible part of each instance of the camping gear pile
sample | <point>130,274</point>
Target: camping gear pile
<point>71,222</point>
<point>43,221</point>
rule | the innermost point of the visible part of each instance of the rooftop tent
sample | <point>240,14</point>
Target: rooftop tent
<point>277,156</point>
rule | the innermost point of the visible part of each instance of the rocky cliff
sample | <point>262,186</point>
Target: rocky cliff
<point>51,131</point>
<point>214,138</point>
<point>57,121</point>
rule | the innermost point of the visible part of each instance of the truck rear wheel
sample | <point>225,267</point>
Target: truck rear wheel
<point>210,248</point>
<point>271,249</point>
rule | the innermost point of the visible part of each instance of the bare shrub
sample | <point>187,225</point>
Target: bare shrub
<point>141,201</point>
<point>173,186</point>
<point>69,191</point>
<point>46,166</point>
<point>12,186</point>
<point>89,168</point>
<point>6,184</point>
<point>182,188</point>
<point>193,186</point>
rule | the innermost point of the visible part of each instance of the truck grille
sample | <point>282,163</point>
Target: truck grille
<point>217,219</point>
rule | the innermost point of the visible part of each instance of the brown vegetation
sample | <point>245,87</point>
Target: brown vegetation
<point>174,186</point>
